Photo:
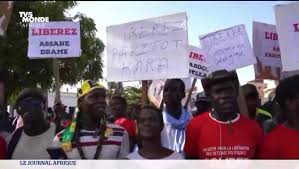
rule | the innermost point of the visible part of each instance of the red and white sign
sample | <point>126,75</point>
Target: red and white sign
<point>287,25</point>
<point>266,49</point>
<point>54,40</point>
<point>198,63</point>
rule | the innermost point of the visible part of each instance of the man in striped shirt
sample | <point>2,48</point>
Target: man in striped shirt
<point>89,136</point>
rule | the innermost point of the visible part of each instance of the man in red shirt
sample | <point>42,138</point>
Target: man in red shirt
<point>222,133</point>
<point>118,107</point>
<point>283,141</point>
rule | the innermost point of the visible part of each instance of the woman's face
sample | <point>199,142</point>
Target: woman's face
<point>149,124</point>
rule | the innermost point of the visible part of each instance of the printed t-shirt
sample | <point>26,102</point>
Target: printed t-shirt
<point>208,138</point>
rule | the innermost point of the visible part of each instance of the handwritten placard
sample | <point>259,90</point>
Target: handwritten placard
<point>266,49</point>
<point>228,49</point>
<point>54,40</point>
<point>198,63</point>
<point>287,25</point>
<point>155,48</point>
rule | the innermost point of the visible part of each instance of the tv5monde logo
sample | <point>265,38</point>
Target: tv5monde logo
<point>27,17</point>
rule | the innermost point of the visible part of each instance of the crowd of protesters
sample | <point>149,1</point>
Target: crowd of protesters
<point>216,130</point>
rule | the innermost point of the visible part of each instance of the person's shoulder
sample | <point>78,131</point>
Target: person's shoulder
<point>200,119</point>
<point>133,156</point>
<point>2,140</point>
<point>251,126</point>
<point>276,135</point>
<point>279,129</point>
<point>116,128</point>
<point>175,155</point>
<point>247,121</point>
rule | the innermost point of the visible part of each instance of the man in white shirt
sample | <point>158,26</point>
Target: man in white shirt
<point>175,117</point>
<point>32,140</point>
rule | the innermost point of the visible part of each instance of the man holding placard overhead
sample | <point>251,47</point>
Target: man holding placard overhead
<point>224,132</point>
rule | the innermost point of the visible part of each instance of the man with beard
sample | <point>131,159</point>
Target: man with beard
<point>89,136</point>
<point>32,140</point>
<point>224,132</point>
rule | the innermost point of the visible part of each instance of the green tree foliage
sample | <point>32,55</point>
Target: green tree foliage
<point>132,95</point>
<point>115,89</point>
<point>38,72</point>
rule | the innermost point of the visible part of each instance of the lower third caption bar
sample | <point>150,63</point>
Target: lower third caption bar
<point>48,162</point>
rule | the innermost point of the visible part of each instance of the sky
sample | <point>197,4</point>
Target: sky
<point>203,17</point>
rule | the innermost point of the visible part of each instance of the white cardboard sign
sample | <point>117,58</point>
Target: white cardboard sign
<point>155,48</point>
<point>54,40</point>
<point>287,23</point>
<point>266,49</point>
<point>198,63</point>
<point>228,49</point>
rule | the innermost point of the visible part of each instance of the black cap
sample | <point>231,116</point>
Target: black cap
<point>218,77</point>
<point>249,89</point>
<point>31,92</point>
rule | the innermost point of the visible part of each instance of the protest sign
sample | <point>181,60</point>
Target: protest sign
<point>198,66</point>
<point>5,13</point>
<point>155,90</point>
<point>228,49</point>
<point>155,48</point>
<point>287,25</point>
<point>266,49</point>
<point>54,40</point>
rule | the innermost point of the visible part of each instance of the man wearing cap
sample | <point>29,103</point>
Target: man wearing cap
<point>32,139</point>
<point>223,133</point>
<point>254,104</point>
<point>89,136</point>
<point>202,104</point>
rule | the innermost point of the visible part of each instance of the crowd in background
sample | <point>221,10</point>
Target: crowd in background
<point>98,129</point>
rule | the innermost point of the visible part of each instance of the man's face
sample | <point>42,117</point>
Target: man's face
<point>94,103</point>
<point>118,108</point>
<point>224,97</point>
<point>252,102</point>
<point>31,109</point>
<point>149,124</point>
<point>173,93</point>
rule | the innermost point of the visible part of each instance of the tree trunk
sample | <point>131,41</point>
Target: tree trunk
<point>144,97</point>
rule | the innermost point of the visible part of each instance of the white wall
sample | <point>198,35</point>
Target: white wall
<point>68,99</point>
